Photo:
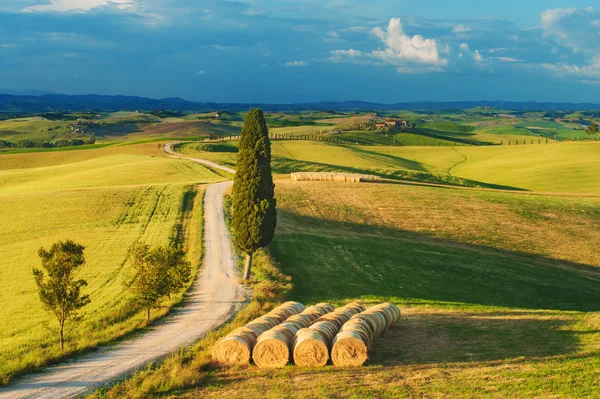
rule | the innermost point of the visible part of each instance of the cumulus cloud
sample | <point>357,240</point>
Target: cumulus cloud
<point>414,54</point>
<point>591,70</point>
<point>79,5</point>
<point>573,28</point>
<point>407,52</point>
<point>577,30</point>
<point>296,64</point>
<point>465,51</point>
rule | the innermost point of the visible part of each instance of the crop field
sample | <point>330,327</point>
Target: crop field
<point>105,199</point>
<point>476,275</point>
<point>563,167</point>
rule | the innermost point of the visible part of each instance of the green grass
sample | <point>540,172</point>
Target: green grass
<point>105,199</point>
<point>499,292</point>
<point>564,167</point>
<point>449,126</point>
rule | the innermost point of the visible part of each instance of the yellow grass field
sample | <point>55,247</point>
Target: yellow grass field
<point>107,200</point>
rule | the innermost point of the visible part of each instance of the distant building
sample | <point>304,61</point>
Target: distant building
<point>396,123</point>
<point>380,125</point>
<point>218,115</point>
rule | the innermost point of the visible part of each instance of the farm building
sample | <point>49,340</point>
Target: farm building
<point>392,123</point>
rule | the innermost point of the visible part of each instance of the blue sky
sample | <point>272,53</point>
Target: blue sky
<point>304,50</point>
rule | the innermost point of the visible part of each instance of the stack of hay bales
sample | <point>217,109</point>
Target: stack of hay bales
<point>235,349</point>
<point>272,349</point>
<point>351,344</point>
<point>311,345</point>
<point>339,177</point>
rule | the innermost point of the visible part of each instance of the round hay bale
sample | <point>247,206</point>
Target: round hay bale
<point>310,349</point>
<point>258,328</point>
<point>232,351</point>
<point>327,329</point>
<point>271,350</point>
<point>349,349</point>
<point>395,310</point>
<point>361,328</point>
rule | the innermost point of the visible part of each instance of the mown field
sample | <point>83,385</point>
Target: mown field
<point>500,294</point>
<point>107,200</point>
<point>562,167</point>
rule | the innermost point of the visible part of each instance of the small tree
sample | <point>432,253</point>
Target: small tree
<point>592,129</point>
<point>60,293</point>
<point>175,271</point>
<point>156,273</point>
<point>144,281</point>
<point>254,212</point>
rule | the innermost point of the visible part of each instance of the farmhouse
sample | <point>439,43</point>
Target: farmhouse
<point>392,123</point>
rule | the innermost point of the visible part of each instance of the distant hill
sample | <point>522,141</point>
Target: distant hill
<point>11,103</point>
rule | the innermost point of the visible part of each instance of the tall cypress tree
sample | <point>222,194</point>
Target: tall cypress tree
<point>254,212</point>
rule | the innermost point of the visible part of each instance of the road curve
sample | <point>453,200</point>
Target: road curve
<point>211,301</point>
<point>169,150</point>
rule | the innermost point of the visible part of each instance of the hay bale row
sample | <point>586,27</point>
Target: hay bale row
<point>340,177</point>
<point>311,345</point>
<point>272,349</point>
<point>236,348</point>
<point>352,343</point>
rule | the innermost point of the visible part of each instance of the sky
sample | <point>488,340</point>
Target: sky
<point>289,51</point>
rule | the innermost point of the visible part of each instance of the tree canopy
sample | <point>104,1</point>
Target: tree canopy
<point>60,292</point>
<point>156,273</point>
<point>254,204</point>
<point>592,129</point>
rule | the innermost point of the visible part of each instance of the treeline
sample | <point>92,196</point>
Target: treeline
<point>26,143</point>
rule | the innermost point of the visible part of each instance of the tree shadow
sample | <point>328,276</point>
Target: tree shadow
<point>333,261</point>
<point>459,337</point>
<point>283,165</point>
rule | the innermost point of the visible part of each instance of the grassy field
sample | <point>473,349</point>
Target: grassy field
<point>500,295</point>
<point>564,167</point>
<point>105,199</point>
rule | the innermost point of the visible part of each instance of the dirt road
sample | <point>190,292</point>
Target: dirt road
<point>212,299</point>
<point>173,154</point>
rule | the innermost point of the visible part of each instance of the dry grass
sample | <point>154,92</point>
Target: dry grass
<point>558,227</point>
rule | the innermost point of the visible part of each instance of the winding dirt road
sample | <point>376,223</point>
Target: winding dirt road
<point>212,300</point>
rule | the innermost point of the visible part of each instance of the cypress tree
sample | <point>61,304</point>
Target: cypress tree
<point>254,212</point>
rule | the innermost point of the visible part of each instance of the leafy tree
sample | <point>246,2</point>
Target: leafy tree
<point>60,293</point>
<point>156,273</point>
<point>592,129</point>
<point>144,281</point>
<point>174,270</point>
<point>254,205</point>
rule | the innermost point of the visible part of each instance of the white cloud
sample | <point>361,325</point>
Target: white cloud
<point>465,50</point>
<point>296,64</point>
<point>253,12</point>
<point>79,5</point>
<point>7,45</point>
<point>201,72</point>
<point>577,30</point>
<point>461,29</point>
<point>351,55</point>
<point>591,70</point>
<point>407,52</point>
<point>574,28</point>
<point>505,59</point>
<point>333,34</point>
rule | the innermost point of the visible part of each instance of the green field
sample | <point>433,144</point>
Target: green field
<point>107,200</point>
<point>500,290</point>
<point>563,167</point>
<point>500,295</point>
